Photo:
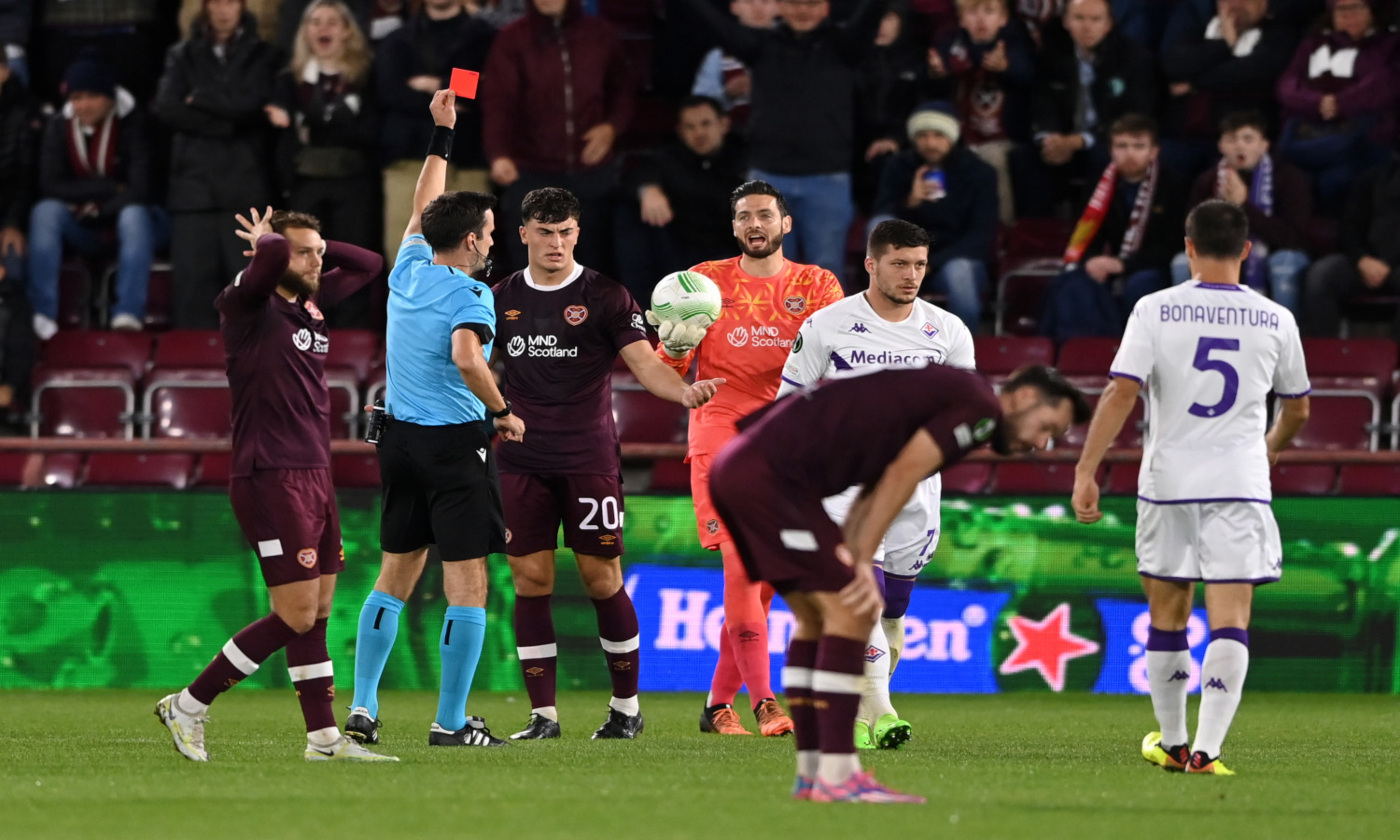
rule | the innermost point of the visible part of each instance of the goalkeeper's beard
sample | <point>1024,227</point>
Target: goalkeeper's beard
<point>775,244</point>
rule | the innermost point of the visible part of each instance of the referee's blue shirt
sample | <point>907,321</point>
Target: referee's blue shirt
<point>427,304</point>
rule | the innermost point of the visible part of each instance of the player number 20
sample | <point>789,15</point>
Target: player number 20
<point>1204,362</point>
<point>611,513</point>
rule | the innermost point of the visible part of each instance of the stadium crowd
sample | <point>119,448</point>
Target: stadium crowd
<point>131,132</point>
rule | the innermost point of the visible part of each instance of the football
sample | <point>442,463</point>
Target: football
<point>684,296</point>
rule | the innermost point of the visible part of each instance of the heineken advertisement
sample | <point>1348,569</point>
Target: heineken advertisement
<point>142,589</point>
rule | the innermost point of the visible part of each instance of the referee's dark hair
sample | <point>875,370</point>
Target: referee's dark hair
<point>550,206</point>
<point>896,233</point>
<point>749,188</point>
<point>1218,229</point>
<point>451,216</point>
<point>1052,386</point>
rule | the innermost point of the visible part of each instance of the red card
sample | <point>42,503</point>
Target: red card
<point>464,82</point>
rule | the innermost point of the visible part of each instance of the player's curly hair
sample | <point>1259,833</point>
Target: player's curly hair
<point>895,233</point>
<point>1053,387</point>
<point>451,216</point>
<point>283,219</point>
<point>749,188</point>
<point>550,206</point>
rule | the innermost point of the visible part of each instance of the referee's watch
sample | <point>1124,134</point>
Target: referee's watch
<point>497,415</point>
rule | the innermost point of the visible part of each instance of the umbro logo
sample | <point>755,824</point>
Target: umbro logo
<point>482,454</point>
<point>1179,675</point>
<point>1214,682</point>
<point>859,328</point>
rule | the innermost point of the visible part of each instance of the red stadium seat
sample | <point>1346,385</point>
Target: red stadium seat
<point>1129,437</point>
<point>82,403</point>
<point>99,349</point>
<point>644,418</point>
<point>967,479</point>
<point>1122,479</point>
<point>353,470</point>
<point>1085,361</point>
<point>190,349</point>
<point>136,469</point>
<point>1362,364</point>
<point>1021,292</point>
<point>160,297</point>
<point>61,469</point>
<point>187,404</point>
<point>74,295</point>
<point>376,384</point>
<point>1037,237</point>
<point>214,468</point>
<point>670,475</point>
<point>357,350</point>
<point>1369,480</point>
<point>1303,479</point>
<point>997,356</point>
<point>20,469</point>
<point>1032,477</point>
<point>1340,422</point>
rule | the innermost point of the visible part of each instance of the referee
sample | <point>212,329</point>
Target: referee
<point>436,464</point>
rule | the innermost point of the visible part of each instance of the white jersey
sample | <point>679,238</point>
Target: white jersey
<point>1208,355</point>
<point>848,335</point>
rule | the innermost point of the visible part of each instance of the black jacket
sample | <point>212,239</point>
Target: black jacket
<point>425,47</point>
<point>131,180</point>
<point>1372,215</point>
<point>1221,82</point>
<point>222,150</point>
<point>332,135</point>
<point>1160,241</point>
<point>964,222</point>
<point>1123,84</point>
<point>18,120</point>
<point>698,189</point>
<point>803,117</point>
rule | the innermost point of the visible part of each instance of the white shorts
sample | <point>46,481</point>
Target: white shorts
<point>912,536</point>
<point>1215,542</point>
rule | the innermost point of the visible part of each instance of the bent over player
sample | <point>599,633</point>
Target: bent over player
<point>562,326</point>
<point>766,299</point>
<point>886,431</point>
<point>1203,490</point>
<point>887,325</point>
<point>276,341</point>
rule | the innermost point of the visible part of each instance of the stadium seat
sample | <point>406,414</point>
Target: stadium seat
<point>1369,480</point>
<point>998,355</point>
<point>187,404</point>
<point>1032,477</point>
<point>1303,479</point>
<point>1122,479</point>
<point>1340,422</point>
<point>189,349</point>
<point>1129,437</point>
<point>160,297</point>
<point>355,470</point>
<point>1037,237</point>
<point>62,469</point>
<point>967,479</point>
<point>670,475</point>
<point>644,418</point>
<point>82,403</point>
<point>1085,361</point>
<point>357,350</point>
<point>1364,364</point>
<point>74,294</point>
<point>99,349</point>
<point>20,469</point>
<point>1021,291</point>
<point>375,384</point>
<point>136,469</point>
<point>214,468</point>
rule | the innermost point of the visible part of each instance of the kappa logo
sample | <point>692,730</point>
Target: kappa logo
<point>481,453</point>
<point>301,339</point>
<point>512,314</point>
<point>712,526</point>
<point>859,328</point>
<point>575,315</point>
<point>873,654</point>
<point>795,304</point>
<point>1214,682</point>
<point>307,557</point>
<point>516,346</point>
<point>1180,675</point>
<point>315,312</point>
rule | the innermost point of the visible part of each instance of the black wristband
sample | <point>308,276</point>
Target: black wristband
<point>441,144</point>
<point>497,415</point>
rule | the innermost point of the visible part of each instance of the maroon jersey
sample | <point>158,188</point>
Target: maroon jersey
<point>276,356</point>
<point>846,431</point>
<point>560,344</point>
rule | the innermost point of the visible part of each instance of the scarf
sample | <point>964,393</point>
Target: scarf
<point>92,157</point>
<point>1261,192</point>
<point>1244,44</point>
<point>1097,211</point>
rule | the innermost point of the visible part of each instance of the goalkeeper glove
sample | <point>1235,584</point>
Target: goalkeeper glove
<point>679,337</point>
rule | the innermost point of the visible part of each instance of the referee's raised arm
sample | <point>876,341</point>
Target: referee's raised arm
<point>432,181</point>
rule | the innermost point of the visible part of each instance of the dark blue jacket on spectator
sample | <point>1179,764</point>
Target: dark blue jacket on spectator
<point>1124,83</point>
<point>964,222</point>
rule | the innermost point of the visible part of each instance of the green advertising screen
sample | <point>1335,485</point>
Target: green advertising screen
<point>142,589</point>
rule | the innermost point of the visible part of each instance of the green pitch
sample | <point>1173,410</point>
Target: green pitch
<point>98,764</point>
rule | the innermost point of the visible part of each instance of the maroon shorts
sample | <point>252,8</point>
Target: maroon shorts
<point>290,518</point>
<point>588,506</point>
<point>781,530</point>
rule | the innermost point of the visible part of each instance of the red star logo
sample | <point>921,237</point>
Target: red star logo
<point>1046,645</point>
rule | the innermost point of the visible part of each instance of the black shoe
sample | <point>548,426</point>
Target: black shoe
<point>361,727</point>
<point>619,725</point>
<point>538,729</point>
<point>474,734</point>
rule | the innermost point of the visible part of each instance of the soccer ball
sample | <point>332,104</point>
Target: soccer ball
<point>685,296</point>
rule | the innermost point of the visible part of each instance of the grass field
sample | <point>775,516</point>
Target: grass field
<point>97,764</point>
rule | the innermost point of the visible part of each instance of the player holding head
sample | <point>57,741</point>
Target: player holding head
<point>886,325</point>
<point>437,467</point>
<point>1203,491</point>
<point>884,431</point>
<point>766,299</point>
<point>563,326</point>
<point>276,342</point>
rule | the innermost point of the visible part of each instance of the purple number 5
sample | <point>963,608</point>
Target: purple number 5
<point>1203,361</point>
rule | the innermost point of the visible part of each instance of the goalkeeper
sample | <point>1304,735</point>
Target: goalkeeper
<point>766,299</point>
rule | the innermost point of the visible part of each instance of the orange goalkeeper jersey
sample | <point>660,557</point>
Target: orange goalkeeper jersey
<point>749,344</point>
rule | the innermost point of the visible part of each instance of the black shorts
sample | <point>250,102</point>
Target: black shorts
<point>440,486</point>
<point>588,506</point>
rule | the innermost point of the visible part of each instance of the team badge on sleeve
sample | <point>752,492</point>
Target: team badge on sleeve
<point>575,315</point>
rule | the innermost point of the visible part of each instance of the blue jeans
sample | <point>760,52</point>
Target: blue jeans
<point>963,281</point>
<point>1285,276</point>
<point>821,215</point>
<point>141,229</point>
<point>1077,305</point>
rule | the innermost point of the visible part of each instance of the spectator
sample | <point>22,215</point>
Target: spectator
<point>17,127</point>
<point>990,65</point>
<point>498,13</point>
<point>324,105</point>
<point>268,13</point>
<point>1276,198</point>
<point>291,20</point>
<point>802,129</point>
<point>1338,98</point>
<point>16,23</point>
<point>95,176</point>
<point>413,63</point>
<point>1037,15</point>
<point>1228,64</point>
<point>890,81</point>
<point>683,191</point>
<point>1085,83</point>
<point>557,94</point>
<point>724,77</point>
<point>131,33</point>
<point>1125,239</point>
<point>212,96</point>
<point>1370,253</point>
<point>946,189</point>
